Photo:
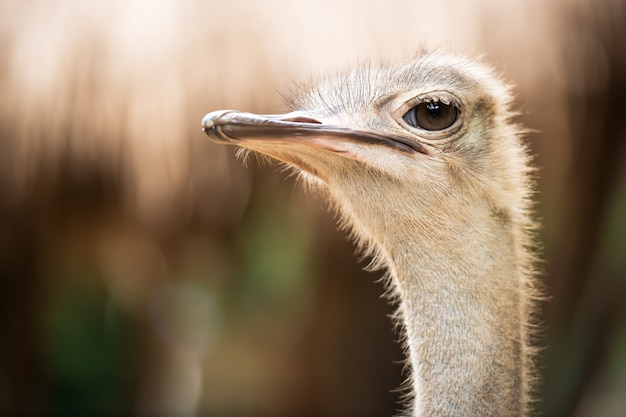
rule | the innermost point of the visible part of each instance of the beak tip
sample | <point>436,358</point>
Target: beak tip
<point>213,119</point>
<point>208,121</point>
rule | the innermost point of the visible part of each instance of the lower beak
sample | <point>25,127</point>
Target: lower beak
<point>227,126</point>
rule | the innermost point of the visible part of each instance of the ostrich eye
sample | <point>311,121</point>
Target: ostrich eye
<point>432,115</point>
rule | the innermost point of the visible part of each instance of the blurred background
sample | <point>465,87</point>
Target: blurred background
<point>145,271</point>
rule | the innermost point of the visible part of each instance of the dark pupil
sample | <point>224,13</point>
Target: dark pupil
<point>433,109</point>
<point>433,115</point>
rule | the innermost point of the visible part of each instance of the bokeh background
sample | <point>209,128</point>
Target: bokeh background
<point>145,271</point>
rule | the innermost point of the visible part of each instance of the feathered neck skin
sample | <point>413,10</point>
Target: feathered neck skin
<point>439,195</point>
<point>459,278</point>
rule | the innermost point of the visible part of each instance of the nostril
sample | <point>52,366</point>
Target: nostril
<point>301,119</point>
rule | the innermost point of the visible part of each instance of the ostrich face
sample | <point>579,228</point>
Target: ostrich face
<point>393,119</point>
<point>412,133</point>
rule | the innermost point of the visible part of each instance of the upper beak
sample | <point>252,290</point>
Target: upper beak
<point>297,127</point>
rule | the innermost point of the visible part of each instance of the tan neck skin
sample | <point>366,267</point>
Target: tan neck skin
<point>464,339</point>
<point>458,276</point>
<point>461,305</point>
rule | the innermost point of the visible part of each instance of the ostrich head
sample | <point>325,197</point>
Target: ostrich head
<point>427,168</point>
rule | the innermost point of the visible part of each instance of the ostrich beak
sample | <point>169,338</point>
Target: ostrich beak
<point>227,126</point>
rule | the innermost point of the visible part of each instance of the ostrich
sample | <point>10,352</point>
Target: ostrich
<point>429,172</point>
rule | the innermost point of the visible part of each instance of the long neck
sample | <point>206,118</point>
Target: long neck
<point>462,304</point>
<point>457,254</point>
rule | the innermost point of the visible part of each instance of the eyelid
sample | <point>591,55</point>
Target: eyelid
<point>436,96</point>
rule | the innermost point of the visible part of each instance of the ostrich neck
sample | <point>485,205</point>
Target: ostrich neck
<point>462,307</point>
